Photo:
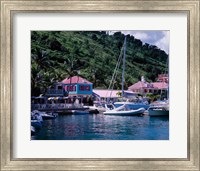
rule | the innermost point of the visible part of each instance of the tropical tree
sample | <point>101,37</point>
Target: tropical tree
<point>92,55</point>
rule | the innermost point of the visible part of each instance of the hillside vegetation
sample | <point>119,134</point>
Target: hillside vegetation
<point>56,55</point>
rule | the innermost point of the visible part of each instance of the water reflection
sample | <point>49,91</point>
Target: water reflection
<point>104,127</point>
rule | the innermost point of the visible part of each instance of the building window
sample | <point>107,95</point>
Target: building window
<point>70,88</point>
<point>87,88</point>
<point>74,88</point>
<point>84,88</point>
<point>59,87</point>
<point>66,88</point>
<point>81,87</point>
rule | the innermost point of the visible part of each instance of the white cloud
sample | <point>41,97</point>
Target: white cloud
<point>153,37</point>
<point>157,37</point>
<point>138,35</point>
<point>163,43</point>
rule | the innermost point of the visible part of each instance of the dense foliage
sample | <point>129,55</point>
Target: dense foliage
<point>56,55</point>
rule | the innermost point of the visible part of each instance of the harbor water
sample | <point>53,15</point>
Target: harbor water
<point>104,127</point>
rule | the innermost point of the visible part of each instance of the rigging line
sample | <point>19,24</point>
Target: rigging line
<point>116,67</point>
<point>115,72</point>
<point>114,79</point>
<point>115,75</point>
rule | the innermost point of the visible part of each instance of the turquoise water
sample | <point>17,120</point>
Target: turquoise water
<point>104,127</point>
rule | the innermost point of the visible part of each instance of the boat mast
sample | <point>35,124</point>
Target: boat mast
<point>168,77</point>
<point>124,60</point>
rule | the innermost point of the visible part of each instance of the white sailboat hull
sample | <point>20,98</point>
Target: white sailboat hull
<point>125,112</point>
<point>131,105</point>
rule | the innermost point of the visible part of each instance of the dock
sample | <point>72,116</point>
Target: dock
<point>62,110</point>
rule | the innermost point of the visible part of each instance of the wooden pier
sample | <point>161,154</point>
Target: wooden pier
<point>62,110</point>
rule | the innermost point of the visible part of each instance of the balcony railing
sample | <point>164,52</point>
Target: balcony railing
<point>55,92</point>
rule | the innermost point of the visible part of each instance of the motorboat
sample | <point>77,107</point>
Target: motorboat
<point>124,111</point>
<point>79,112</point>
<point>36,120</point>
<point>159,109</point>
<point>36,115</point>
<point>46,116</point>
<point>43,115</point>
<point>132,105</point>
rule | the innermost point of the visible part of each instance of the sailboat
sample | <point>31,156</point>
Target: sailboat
<point>123,110</point>
<point>133,105</point>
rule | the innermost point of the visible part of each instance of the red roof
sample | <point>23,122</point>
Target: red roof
<point>75,79</point>
<point>138,85</point>
<point>160,85</point>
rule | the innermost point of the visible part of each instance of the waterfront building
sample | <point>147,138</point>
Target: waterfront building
<point>143,87</point>
<point>163,78</point>
<point>69,93</point>
<point>55,91</point>
<point>73,86</point>
<point>77,86</point>
<point>112,95</point>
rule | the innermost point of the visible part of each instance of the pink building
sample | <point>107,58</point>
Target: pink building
<point>163,78</point>
<point>74,86</point>
<point>143,87</point>
<point>77,86</point>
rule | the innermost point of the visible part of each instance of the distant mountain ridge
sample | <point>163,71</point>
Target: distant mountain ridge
<point>56,55</point>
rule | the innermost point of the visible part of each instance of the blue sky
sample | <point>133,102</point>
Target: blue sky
<point>158,37</point>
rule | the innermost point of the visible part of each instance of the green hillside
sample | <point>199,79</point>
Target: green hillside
<point>93,55</point>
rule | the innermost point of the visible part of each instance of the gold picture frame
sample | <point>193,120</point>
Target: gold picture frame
<point>9,8</point>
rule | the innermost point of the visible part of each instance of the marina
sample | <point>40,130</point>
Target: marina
<point>103,106</point>
<point>104,127</point>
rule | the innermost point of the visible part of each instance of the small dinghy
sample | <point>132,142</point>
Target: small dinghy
<point>124,111</point>
<point>46,116</point>
<point>79,112</point>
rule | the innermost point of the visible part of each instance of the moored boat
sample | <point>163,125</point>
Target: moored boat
<point>36,115</point>
<point>132,105</point>
<point>79,112</point>
<point>124,111</point>
<point>46,116</point>
<point>160,108</point>
<point>122,108</point>
<point>43,115</point>
<point>158,111</point>
<point>36,121</point>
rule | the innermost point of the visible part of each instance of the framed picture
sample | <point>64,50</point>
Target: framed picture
<point>100,85</point>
